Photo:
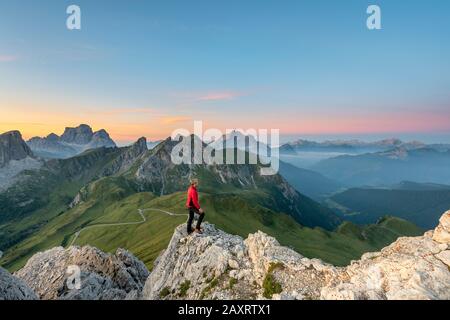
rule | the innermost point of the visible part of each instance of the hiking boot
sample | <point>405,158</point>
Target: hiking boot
<point>199,231</point>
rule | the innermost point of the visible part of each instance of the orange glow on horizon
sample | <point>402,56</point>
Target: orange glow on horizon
<point>127,125</point>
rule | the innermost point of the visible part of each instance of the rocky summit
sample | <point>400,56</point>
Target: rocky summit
<point>102,276</point>
<point>217,265</point>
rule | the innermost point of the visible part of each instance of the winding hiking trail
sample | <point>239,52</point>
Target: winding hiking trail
<point>141,213</point>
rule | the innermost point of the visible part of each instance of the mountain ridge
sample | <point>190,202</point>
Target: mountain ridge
<point>424,165</point>
<point>72,142</point>
<point>349,145</point>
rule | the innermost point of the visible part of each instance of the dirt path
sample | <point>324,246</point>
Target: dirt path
<point>141,213</point>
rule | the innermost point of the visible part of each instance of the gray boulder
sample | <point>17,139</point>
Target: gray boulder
<point>52,274</point>
<point>12,288</point>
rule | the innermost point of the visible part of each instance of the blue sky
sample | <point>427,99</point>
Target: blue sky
<point>147,67</point>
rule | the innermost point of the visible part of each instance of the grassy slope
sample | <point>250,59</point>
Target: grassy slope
<point>62,224</point>
<point>28,206</point>
<point>15,230</point>
<point>382,233</point>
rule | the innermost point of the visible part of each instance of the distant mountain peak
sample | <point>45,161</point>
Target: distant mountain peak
<point>141,144</point>
<point>13,133</point>
<point>13,147</point>
<point>52,137</point>
<point>79,135</point>
<point>101,132</point>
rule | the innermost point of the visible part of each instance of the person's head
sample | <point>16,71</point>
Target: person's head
<point>194,182</point>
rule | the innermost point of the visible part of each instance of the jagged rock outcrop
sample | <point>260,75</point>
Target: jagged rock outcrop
<point>15,157</point>
<point>79,198</point>
<point>102,276</point>
<point>410,268</point>
<point>12,288</point>
<point>72,142</point>
<point>442,232</point>
<point>12,147</point>
<point>127,158</point>
<point>219,265</point>
<point>78,135</point>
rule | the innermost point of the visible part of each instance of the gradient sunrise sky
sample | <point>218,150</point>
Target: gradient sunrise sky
<point>143,68</point>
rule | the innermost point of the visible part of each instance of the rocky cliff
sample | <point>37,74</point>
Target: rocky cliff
<point>217,265</point>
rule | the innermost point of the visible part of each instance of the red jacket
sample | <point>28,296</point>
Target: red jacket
<point>192,198</point>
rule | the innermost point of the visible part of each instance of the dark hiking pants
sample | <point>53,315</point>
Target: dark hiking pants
<point>192,212</point>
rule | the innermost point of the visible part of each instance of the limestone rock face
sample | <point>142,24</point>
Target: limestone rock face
<point>12,288</point>
<point>442,232</point>
<point>408,269</point>
<point>52,274</point>
<point>194,261</point>
<point>79,135</point>
<point>216,265</point>
<point>12,147</point>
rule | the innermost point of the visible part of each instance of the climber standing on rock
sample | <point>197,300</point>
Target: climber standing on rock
<point>194,207</point>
